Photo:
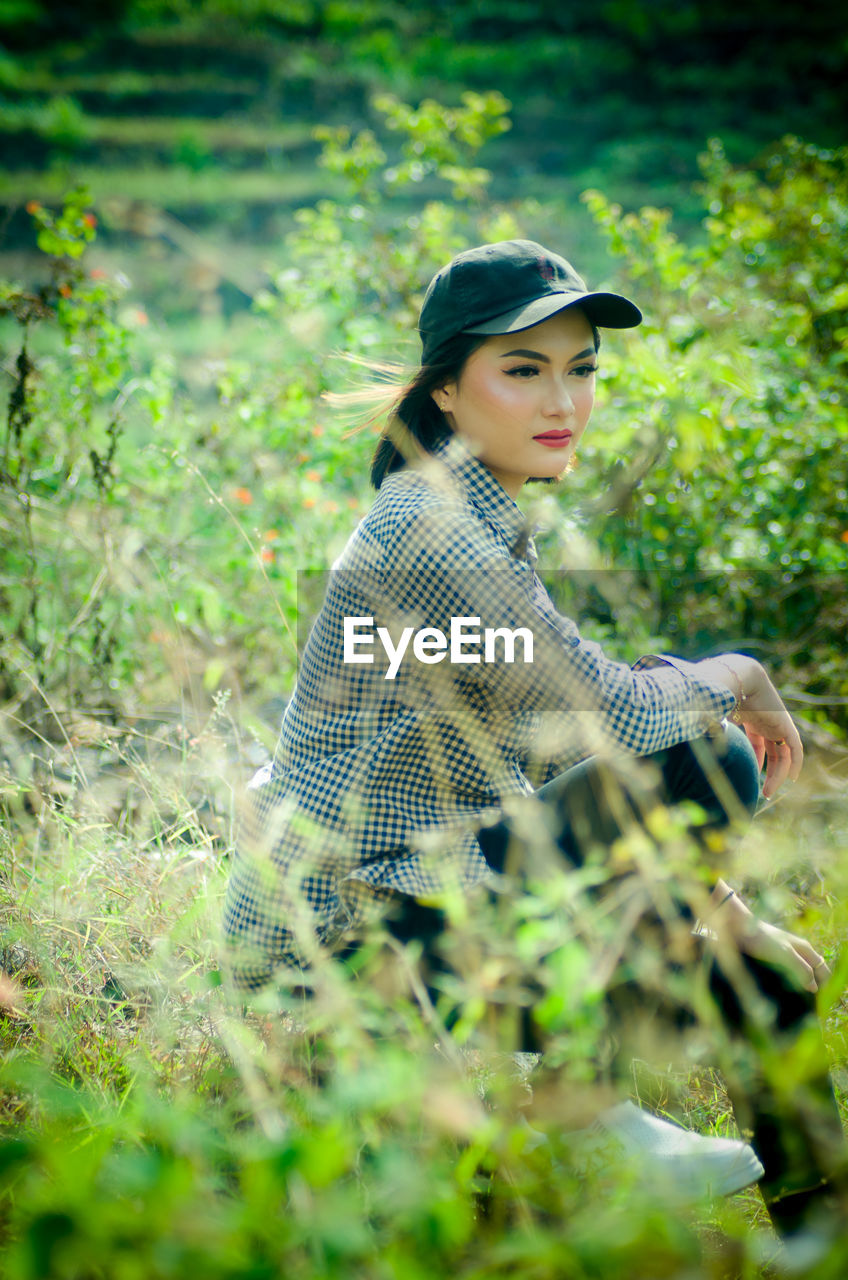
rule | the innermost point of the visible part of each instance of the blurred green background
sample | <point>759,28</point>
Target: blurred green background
<point>192,123</point>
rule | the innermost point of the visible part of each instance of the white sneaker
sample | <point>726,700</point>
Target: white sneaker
<point>693,1165</point>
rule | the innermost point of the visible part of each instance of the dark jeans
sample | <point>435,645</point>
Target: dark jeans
<point>793,1121</point>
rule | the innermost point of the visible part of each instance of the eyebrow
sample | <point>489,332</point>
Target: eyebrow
<point>537,355</point>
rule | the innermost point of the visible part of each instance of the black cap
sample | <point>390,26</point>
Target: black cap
<point>509,286</point>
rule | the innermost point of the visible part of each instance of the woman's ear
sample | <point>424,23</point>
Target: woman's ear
<point>443,396</point>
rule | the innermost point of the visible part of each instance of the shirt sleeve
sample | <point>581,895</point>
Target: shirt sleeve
<point>444,564</point>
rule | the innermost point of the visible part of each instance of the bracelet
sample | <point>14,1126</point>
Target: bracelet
<point>700,928</point>
<point>741,696</point>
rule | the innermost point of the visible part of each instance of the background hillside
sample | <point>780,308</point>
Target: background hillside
<point>192,123</point>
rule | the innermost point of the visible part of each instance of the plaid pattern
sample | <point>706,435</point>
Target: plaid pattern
<point>379,785</point>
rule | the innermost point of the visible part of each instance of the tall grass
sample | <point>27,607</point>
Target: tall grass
<point>156,1125</point>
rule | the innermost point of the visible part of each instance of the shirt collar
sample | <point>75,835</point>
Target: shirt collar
<point>489,497</point>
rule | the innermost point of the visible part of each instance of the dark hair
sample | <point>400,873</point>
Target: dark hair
<point>416,424</point>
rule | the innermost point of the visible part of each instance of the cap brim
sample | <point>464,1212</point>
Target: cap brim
<point>607,310</point>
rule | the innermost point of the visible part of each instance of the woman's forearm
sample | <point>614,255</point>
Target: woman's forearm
<point>729,912</point>
<point>758,938</point>
<point>738,672</point>
<point>760,709</point>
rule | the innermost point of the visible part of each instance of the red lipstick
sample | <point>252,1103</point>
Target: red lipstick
<point>555,439</point>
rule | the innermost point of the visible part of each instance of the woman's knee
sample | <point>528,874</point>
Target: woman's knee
<point>720,773</point>
<point>738,762</point>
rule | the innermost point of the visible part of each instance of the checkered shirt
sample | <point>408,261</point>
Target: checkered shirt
<point>379,785</point>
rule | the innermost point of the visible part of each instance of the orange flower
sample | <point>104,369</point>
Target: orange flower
<point>270,535</point>
<point>302,457</point>
<point>33,206</point>
<point>244,496</point>
<point>844,535</point>
<point>140,317</point>
<point>309,502</point>
<point>317,430</point>
<point>89,219</point>
<point>65,290</point>
<point>314,476</point>
<point>267,555</point>
<point>97,273</point>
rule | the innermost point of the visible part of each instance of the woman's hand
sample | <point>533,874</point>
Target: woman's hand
<point>731,917</point>
<point>786,951</point>
<point>770,729</point>
<point>761,713</point>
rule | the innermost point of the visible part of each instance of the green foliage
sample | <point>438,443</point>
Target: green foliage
<point>250,14</point>
<point>191,150</point>
<point>59,120</point>
<point>65,423</point>
<point>67,235</point>
<point>331,298</point>
<point>153,1128</point>
<point>439,140</point>
<point>726,423</point>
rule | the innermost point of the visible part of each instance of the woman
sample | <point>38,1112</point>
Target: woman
<point>439,677</point>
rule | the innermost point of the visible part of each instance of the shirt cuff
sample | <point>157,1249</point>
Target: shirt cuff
<point>719,701</point>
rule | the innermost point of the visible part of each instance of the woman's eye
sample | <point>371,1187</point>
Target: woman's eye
<point>585,370</point>
<point>522,371</point>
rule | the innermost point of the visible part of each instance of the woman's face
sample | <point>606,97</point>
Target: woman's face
<point>522,400</point>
